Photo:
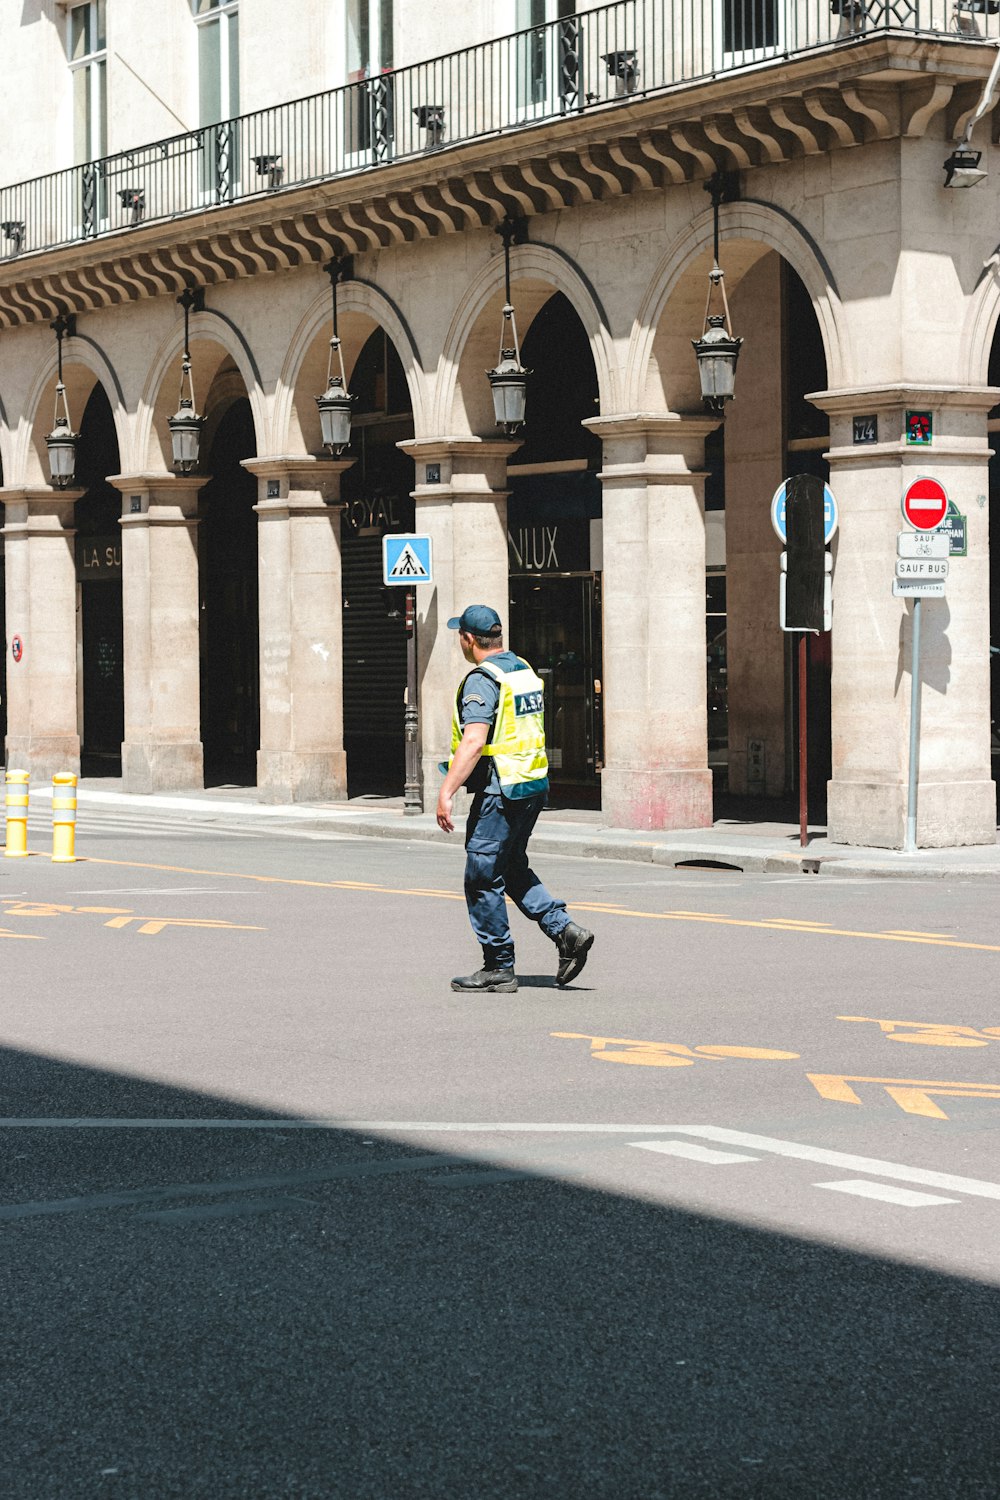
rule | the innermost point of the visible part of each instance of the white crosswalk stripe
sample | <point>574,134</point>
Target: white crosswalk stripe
<point>883,1192</point>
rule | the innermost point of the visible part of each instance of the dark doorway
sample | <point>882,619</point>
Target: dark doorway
<point>554,549</point>
<point>3,664</point>
<point>99,575</point>
<point>227,550</point>
<point>807,438</point>
<point>378,499</point>
<point>555,622</point>
<point>994,533</point>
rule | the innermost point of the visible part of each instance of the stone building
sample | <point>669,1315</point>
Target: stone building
<point>230,624</point>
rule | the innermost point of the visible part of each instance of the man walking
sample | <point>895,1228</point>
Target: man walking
<point>498,749</point>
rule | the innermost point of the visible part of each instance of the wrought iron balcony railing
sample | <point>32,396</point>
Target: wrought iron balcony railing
<point>567,67</point>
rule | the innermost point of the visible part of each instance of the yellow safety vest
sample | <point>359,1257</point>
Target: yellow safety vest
<point>517,739</point>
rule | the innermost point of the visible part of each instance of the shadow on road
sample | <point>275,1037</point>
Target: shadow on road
<point>278,1312</point>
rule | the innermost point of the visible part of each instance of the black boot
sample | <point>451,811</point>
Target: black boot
<point>574,943</point>
<point>487,981</point>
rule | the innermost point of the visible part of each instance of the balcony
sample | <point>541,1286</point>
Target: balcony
<point>576,69</point>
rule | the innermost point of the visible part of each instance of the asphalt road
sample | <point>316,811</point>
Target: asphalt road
<point>282,1216</point>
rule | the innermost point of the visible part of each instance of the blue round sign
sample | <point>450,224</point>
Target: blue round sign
<point>830,517</point>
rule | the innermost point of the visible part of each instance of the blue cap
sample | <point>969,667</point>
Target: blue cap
<point>477,619</point>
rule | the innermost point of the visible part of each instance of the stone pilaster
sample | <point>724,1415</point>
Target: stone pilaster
<point>161,751</point>
<point>656,736</point>
<point>461,503</point>
<point>43,730</point>
<point>301,756</point>
<point>872,630</point>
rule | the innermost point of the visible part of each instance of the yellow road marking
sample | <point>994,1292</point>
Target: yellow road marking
<point>913,1095</point>
<point>809,922</point>
<point>606,909</point>
<point>666,1054</point>
<point>907,932</point>
<point>931,1033</point>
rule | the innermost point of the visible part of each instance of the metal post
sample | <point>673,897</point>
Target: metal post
<point>910,846</point>
<point>803,742</point>
<point>412,798</point>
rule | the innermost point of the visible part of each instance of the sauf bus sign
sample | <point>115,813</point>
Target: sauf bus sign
<point>921,571</point>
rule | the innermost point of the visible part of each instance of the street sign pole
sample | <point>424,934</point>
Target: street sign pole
<point>804,514</point>
<point>406,561</point>
<point>803,742</point>
<point>921,570</point>
<point>910,845</point>
<point>413,801</point>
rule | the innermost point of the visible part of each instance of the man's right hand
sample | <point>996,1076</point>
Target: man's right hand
<point>445,803</point>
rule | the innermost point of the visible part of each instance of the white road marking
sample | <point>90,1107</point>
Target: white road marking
<point>901,1197</point>
<point>167,890</point>
<point>975,1187</point>
<point>691,1152</point>
<point>947,1181</point>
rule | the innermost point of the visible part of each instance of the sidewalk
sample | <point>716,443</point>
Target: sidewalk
<point>769,848</point>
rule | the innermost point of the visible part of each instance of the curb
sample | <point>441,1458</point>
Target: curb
<point>587,843</point>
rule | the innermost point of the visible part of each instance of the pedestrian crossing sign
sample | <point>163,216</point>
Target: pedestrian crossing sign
<point>406,559</point>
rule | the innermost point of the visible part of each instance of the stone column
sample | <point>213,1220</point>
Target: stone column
<point>461,503</point>
<point>656,733</point>
<point>43,730</point>
<point>872,630</point>
<point>301,756</point>
<point>161,751</point>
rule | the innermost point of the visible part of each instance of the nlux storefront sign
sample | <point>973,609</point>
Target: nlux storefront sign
<point>98,559</point>
<point>562,547</point>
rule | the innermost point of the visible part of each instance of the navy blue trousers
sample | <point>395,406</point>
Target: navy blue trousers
<point>496,865</point>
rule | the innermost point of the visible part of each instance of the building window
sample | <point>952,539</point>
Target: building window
<point>547,55</point>
<point>368,120</point>
<point>88,61</point>
<point>750,28</point>
<point>369,38</point>
<point>218,24</point>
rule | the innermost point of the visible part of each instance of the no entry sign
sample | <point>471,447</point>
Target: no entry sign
<point>925,503</point>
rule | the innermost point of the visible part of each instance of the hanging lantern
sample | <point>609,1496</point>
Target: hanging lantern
<point>185,424</point>
<point>335,405</point>
<point>718,349</point>
<point>509,379</point>
<point>185,427</point>
<point>61,443</point>
<point>717,352</point>
<point>62,440</point>
<point>336,401</point>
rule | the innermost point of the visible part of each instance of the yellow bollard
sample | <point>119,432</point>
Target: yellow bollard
<point>17,814</point>
<point>64,818</point>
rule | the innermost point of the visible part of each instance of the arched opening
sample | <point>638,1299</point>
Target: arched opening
<point>3,637</point>
<point>770,432</point>
<point>994,504</point>
<point>227,556</point>
<point>99,592</point>
<point>808,438</point>
<point>377,495</point>
<point>554,547</point>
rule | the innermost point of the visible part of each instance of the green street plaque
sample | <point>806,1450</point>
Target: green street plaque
<point>955,528</point>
